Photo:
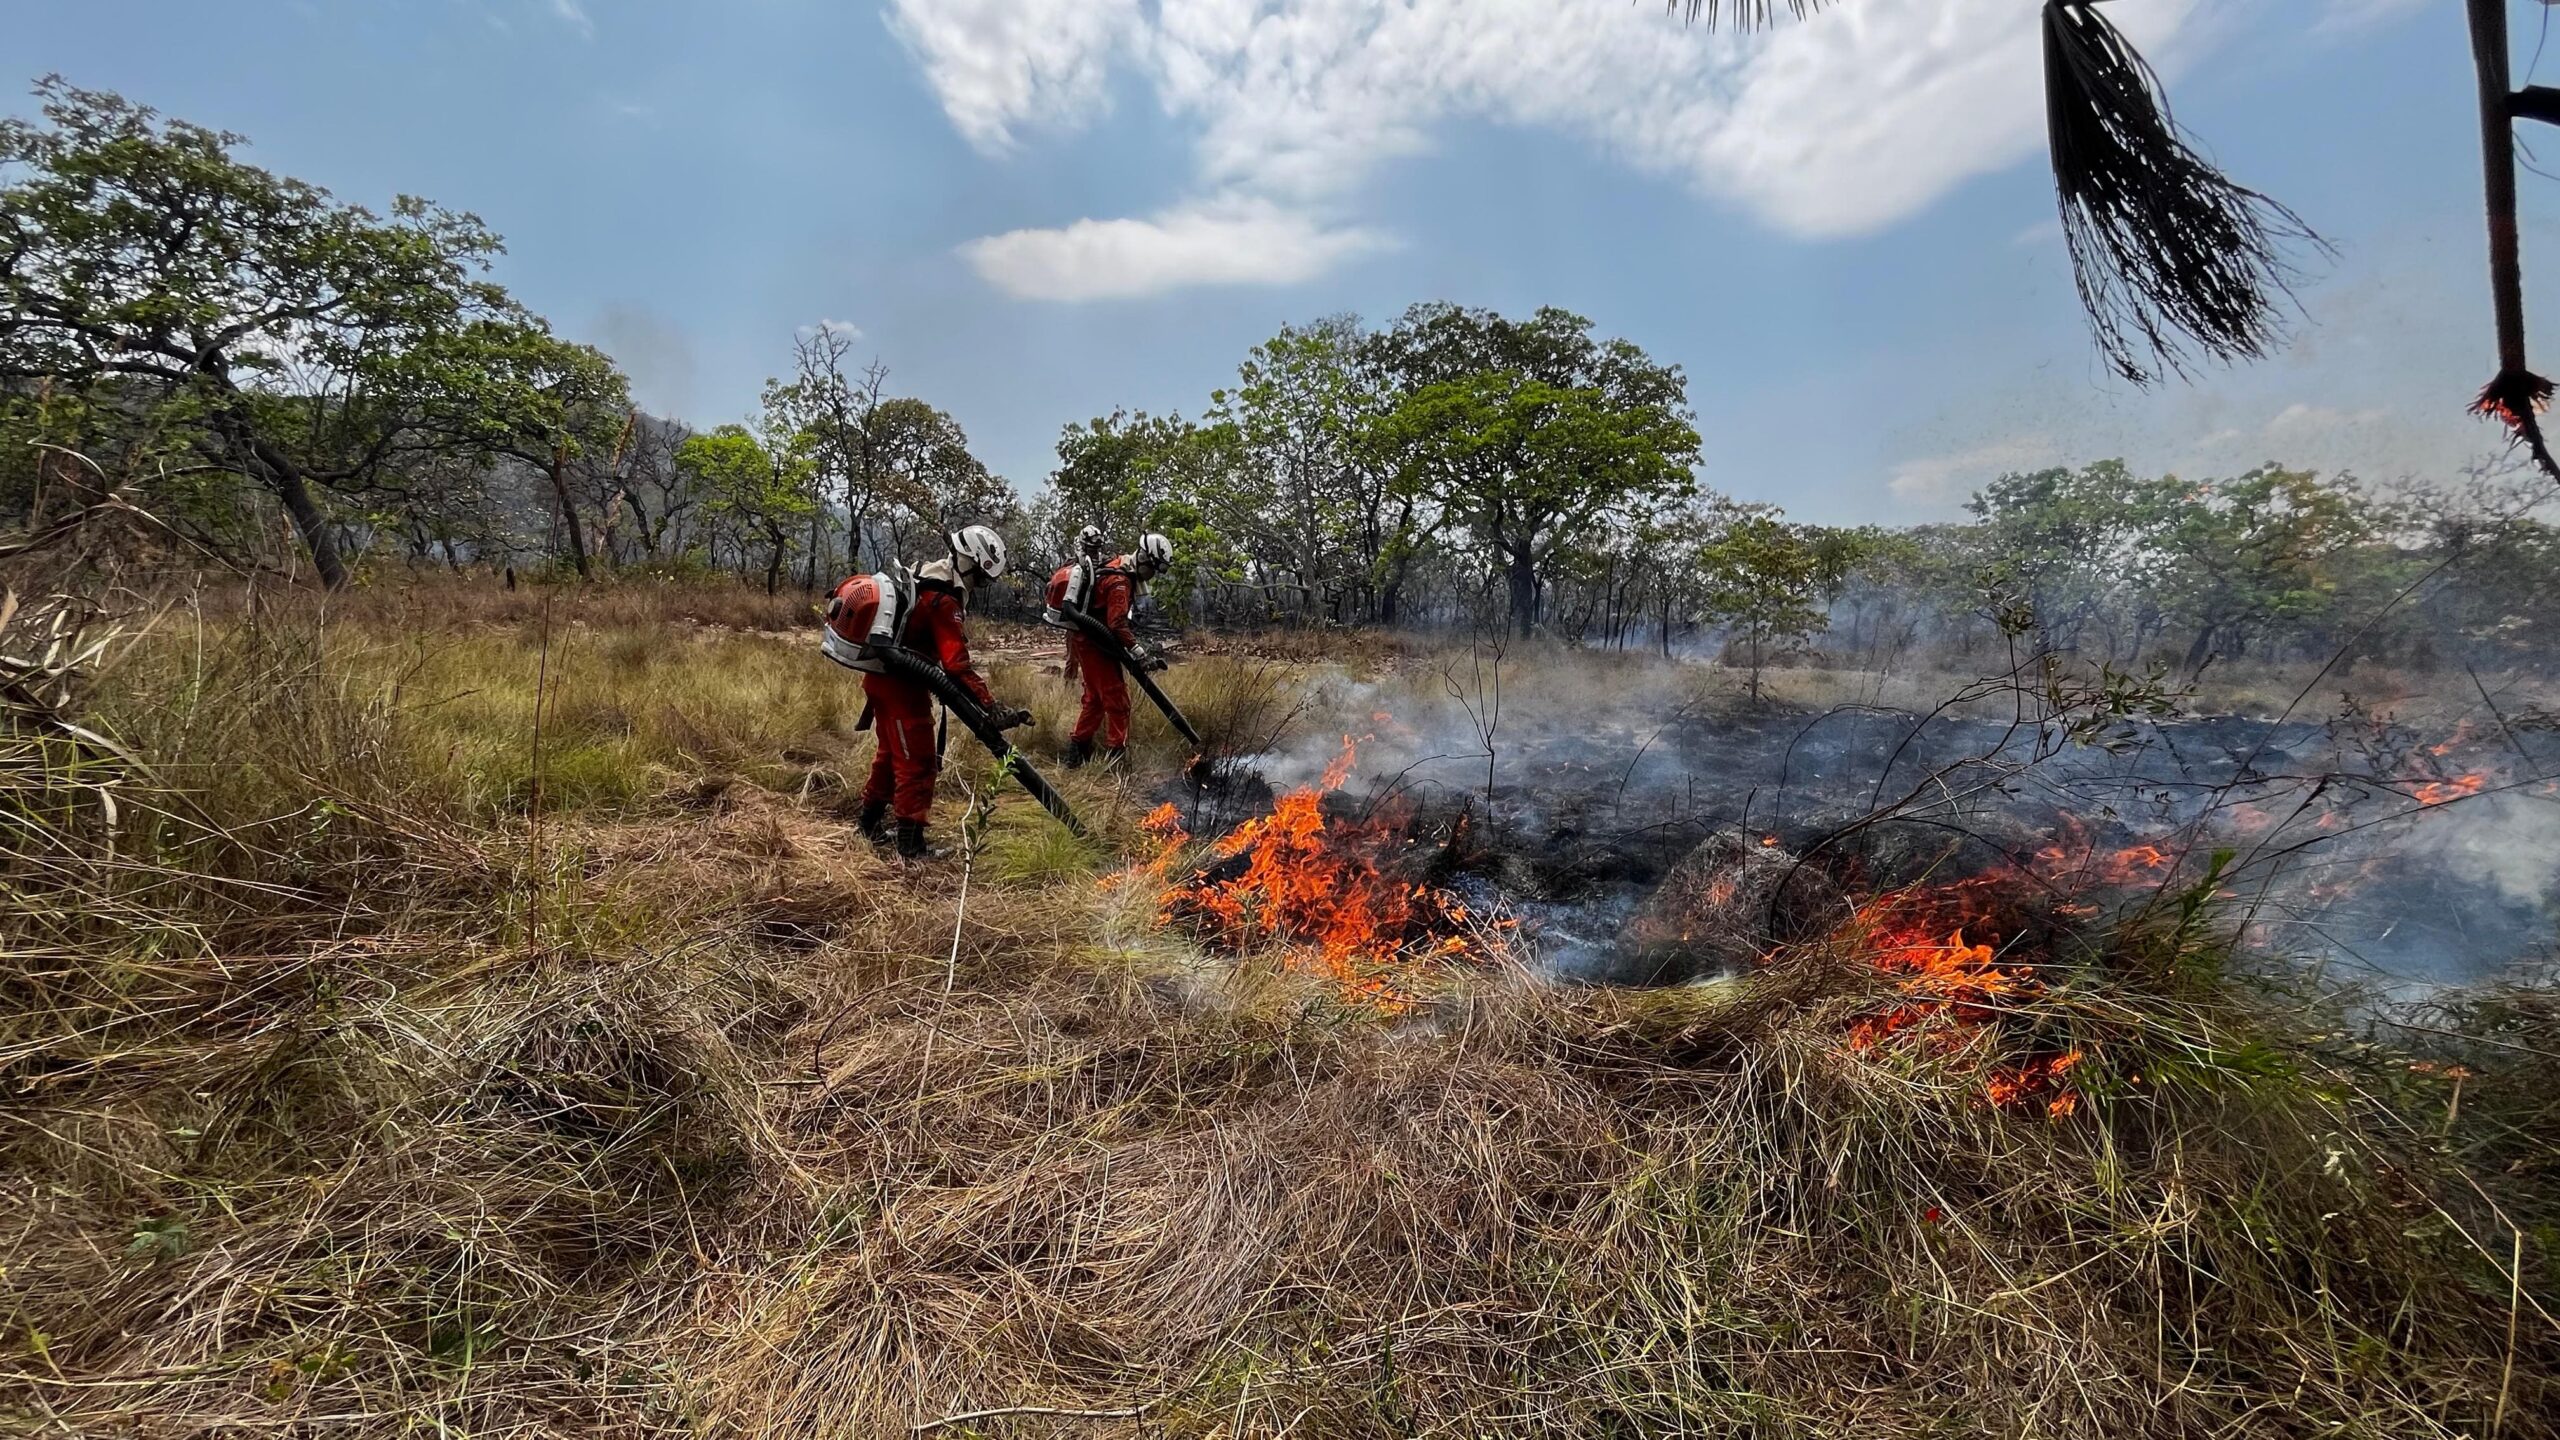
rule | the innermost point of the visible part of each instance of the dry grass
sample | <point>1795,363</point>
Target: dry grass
<point>345,1097</point>
<point>395,600</point>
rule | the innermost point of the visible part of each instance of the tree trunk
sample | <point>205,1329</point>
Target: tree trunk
<point>285,478</point>
<point>2498,156</point>
<point>568,512</point>
<point>2515,394</point>
<point>621,485</point>
<point>270,464</point>
<point>640,517</point>
<point>2199,652</point>
<point>1524,592</point>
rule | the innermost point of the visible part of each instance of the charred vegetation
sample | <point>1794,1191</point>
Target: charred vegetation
<point>1598,958</point>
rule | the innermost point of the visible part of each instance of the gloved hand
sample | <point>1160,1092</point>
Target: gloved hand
<point>1011,719</point>
<point>1146,659</point>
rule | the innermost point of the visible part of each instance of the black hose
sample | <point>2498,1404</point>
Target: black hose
<point>907,665</point>
<point>1100,634</point>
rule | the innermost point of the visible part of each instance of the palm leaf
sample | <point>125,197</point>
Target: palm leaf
<point>1743,14</point>
<point>2172,258</point>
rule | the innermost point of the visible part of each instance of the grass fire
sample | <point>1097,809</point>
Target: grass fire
<point>1324,1080</point>
<point>1340,893</point>
<point>579,856</point>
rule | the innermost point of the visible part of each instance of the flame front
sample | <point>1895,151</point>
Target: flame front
<point>1955,991</point>
<point>1327,890</point>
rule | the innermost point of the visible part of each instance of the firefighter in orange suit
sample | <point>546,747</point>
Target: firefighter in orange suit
<point>924,614</point>
<point>1110,595</point>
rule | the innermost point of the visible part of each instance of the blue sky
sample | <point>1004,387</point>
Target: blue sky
<point>1035,210</point>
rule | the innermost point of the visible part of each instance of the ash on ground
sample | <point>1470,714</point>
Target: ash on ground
<point>1646,851</point>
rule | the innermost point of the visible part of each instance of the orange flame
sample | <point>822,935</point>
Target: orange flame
<point>2461,736</point>
<point>2441,792</point>
<point>1956,990</point>
<point>2038,1082</point>
<point>1326,889</point>
<point>2072,855</point>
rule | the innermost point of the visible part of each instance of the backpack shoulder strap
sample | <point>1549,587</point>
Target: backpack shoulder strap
<point>897,602</point>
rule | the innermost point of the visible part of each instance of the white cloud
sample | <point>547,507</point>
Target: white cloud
<point>1938,479</point>
<point>2043,232</point>
<point>2370,439</point>
<point>1839,125</point>
<point>841,329</point>
<point>572,14</point>
<point>1221,243</point>
<point>1001,65</point>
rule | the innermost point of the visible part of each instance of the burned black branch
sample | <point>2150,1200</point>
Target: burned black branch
<point>2536,102</point>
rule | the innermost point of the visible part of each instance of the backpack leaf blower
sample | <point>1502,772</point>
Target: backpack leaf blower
<point>908,665</point>
<point>1100,634</point>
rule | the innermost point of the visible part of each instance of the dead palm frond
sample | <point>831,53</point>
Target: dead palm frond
<point>2515,396</point>
<point>1745,14</point>
<point>2171,256</point>
<point>2173,260</point>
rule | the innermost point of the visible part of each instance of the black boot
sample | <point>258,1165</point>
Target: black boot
<point>873,822</point>
<point>1078,752</point>
<point>911,844</point>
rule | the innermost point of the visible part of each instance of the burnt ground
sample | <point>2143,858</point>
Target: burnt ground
<point>2349,844</point>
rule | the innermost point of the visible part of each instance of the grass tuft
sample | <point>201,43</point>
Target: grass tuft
<point>346,1094</point>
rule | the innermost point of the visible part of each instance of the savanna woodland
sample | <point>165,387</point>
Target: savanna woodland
<point>1561,950</point>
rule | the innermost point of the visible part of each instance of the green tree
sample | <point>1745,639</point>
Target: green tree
<point>922,463</point>
<point>1887,591</point>
<point>835,409</point>
<point>507,389</point>
<point>1532,434</point>
<point>763,490</point>
<point>1112,470</point>
<point>1764,581</point>
<point>1306,499</point>
<point>141,261</point>
<point>2266,550</point>
<point>2079,547</point>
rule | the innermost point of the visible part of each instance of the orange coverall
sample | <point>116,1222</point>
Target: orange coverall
<point>905,763</point>
<point>1105,712</point>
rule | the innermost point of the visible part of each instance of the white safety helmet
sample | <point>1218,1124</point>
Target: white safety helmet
<point>978,548</point>
<point>1153,550</point>
<point>1089,541</point>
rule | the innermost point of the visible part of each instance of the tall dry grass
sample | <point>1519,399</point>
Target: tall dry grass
<point>342,1092</point>
<point>1227,1208</point>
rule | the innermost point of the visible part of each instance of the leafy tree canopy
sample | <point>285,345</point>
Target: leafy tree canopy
<point>303,342</point>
